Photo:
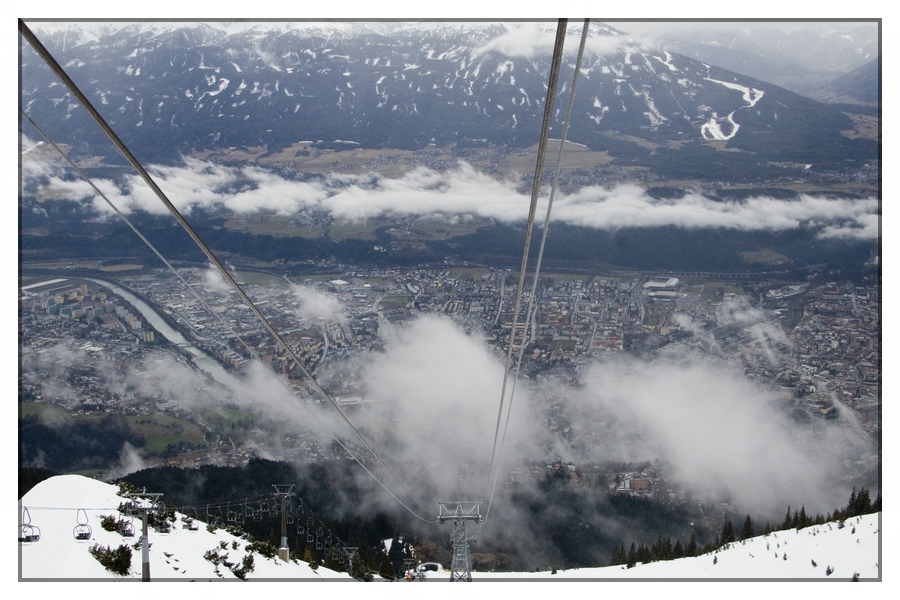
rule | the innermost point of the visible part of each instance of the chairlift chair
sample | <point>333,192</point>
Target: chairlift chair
<point>81,531</point>
<point>27,532</point>
<point>212,518</point>
<point>128,528</point>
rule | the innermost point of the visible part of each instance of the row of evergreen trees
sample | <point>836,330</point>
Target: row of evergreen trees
<point>860,503</point>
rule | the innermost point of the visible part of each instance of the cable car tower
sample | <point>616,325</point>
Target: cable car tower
<point>149,502</point>
<point>283,492</point>
<point>460,513</point>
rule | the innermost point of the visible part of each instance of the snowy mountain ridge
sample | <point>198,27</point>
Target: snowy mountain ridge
<point>408,85</point>
<point>845,550</point>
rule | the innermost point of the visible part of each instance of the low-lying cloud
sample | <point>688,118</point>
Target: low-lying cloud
<point>536,41</point>
<point>457,192</point>
<point>317,306</point>
<point>434,398</point>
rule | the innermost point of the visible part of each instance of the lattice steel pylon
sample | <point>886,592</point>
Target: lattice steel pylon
<point>150,503</point>
<point>460,513</point>
<point>283,492</point>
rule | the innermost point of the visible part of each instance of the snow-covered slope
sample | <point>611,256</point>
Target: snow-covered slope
<point>53,506</point>
<point>834,551</point>
<point>829,551</point>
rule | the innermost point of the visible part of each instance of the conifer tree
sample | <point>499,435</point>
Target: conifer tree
<point>692,545</point>
<point>632,556</point>
<point>788,520</point>
<point>643,553</point>
<point>727,533</point>
<point>619,557</point>
<point>386,570</point>
<point>747,531</point>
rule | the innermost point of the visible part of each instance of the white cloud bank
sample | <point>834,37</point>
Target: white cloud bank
<point>460,191</point>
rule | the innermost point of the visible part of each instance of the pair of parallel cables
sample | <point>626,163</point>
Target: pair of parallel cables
<point>104,126</point>
<point>499,439</point>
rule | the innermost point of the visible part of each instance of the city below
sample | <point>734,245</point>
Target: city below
<point>814,343</point>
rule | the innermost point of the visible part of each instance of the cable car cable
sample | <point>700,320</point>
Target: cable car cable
<point>542,148</point>
<point>529,315</point>
<point>54,65</point>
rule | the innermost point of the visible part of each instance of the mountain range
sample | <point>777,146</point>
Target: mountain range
<point>170,89</point>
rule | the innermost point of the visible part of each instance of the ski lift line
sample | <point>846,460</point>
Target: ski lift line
<point>54,65</point>
<point>529,313</point>
<point>535,189</point>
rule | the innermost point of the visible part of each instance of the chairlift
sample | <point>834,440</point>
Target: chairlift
<point>274,508</point>
<point>300,529</point>
<point>310,538</point>
<point>127,528</point>
<point>290,517</point>
<point>211,518</point>
<point>27,532</point>
<point>248,511</point>
<point>81,531</point>
<point>318,543</point>
<point>230,515</point>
